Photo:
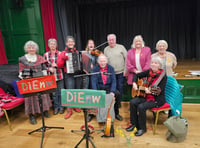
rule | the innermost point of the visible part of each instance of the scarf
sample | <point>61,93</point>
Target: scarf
<point>72,50</point>
<point>153,75</point>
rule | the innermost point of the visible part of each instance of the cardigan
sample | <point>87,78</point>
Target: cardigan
<point>170,64</point>
<point>145,58</point>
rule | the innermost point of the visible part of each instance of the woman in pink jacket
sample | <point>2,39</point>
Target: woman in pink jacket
<point>138,58</point>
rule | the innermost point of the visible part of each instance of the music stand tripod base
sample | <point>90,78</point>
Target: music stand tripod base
<point>44,127</point>
<point>86,136</point>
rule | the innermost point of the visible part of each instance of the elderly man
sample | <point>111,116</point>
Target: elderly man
<point>116,55</point>
<point>106,80</point>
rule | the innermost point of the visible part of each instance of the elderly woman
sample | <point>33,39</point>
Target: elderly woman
<point>34,64</point>
<point>169,61</point>
<point>138,58</point>
<point>70,81</point>
<point>106,80</point>
<point>155,76</point>
<point>51,58</point>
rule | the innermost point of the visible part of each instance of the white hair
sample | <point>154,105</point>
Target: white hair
<point>31,43</point>
<point>52,40</point>
<point>135,38</point>
<point>161,41</point>
<point>111,35</point>
<point>70,37</point>
<point>102,56</point>
<point>157,59</point>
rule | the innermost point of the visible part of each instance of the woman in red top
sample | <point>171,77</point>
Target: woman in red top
<point>70,81</point>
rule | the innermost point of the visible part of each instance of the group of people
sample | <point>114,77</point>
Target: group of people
<point>114,60</point>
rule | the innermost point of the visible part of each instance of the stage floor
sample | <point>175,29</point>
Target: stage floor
<point>63,138</point>
<point>183,67</point>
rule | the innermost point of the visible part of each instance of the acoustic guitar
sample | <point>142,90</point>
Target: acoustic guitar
<point>155,90</point>
<point>108,121</point>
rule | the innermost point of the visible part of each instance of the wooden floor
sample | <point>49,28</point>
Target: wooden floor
<point>63,138</point>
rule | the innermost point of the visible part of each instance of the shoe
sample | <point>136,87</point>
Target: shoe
<point>32,119</point>
<point>69,113</point>
<point>62,111</point>
<point>140,132</point>
<point>118,117</point>
<point>89,118</point>
<point>46,114</point>
<point>55,112</point>
<point>77,110</point>
<point>130,128</point>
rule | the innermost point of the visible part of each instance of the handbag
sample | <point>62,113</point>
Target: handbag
<point>177,129</point>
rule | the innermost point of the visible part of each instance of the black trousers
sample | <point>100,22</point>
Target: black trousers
<point>117,102</point>
<point>138,107</point>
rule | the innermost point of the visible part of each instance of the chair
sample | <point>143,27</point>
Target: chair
<point>156,111</point>
<point>173,98</point>
<point>11,102</point>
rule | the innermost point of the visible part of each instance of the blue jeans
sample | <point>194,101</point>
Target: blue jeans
<point>71,82</point>
<point>120,84</point>
<point>57,95</point>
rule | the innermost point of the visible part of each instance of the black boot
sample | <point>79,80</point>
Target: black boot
<point>89,118</point>
<point>32,119</point>
<point>46,114</point>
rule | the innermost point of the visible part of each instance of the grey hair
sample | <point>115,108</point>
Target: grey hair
<point>157,59</point>
<point>70,37</point>
<point>161,41</point>
<point>102,56</point>
<point>111,35</point>
<point>52,40</point>
<point>31,43</point>
<point>135,38</point>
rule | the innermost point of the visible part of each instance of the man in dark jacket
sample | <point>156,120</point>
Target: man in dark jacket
<point>106,80</point>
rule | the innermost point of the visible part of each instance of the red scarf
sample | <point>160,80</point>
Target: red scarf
<point>71,50</point>
<point>104,77</point>
<point>152,77</point>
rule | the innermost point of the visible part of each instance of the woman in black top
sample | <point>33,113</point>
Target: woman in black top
<point>139,105</point>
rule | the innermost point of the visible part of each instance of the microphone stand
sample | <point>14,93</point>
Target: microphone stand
<point>100,45</point>
<point>94,73</point>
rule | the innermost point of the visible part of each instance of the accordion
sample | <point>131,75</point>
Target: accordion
<point>74,63</point>
<point>27,72</point>
<point>77,63</point>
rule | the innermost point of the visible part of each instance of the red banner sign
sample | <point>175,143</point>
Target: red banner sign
<point>38,84</point>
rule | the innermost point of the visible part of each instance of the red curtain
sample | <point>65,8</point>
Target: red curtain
<point>3,58</point>
<point>48,20</point>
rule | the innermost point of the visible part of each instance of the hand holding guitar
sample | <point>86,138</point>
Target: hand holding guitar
<point>135,86</point>
<point>147,91</point>
<point>141,89</point>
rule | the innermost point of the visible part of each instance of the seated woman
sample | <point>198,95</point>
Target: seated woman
<point>35,65</point>
<point>106,80</point>
<point>155,76</point>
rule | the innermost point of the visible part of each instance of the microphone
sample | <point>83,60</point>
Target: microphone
<point>105,73</point>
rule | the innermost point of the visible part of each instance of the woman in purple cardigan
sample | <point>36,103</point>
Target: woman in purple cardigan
<point>138,58</point>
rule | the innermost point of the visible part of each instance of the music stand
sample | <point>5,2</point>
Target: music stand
<point>85,93</point>
<point>37,92</point>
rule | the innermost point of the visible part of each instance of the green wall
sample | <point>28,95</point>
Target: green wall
<point>20,24</point>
